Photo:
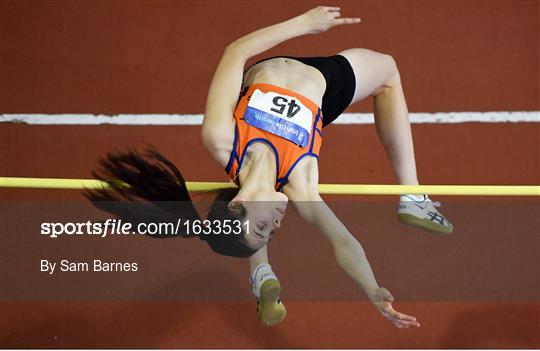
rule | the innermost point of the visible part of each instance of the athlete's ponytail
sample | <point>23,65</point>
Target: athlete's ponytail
<point>155,191</point>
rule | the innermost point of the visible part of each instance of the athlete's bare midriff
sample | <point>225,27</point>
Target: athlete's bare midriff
<point>291,75</point>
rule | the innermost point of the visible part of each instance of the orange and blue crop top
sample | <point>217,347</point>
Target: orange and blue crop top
<point>286,121</point>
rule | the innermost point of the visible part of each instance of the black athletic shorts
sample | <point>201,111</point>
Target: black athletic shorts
<point>340,83</point>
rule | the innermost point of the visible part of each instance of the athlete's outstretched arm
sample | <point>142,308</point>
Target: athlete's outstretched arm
<point>348,253</point>
<point>316,20</point>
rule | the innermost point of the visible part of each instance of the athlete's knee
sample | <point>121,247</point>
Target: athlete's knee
<point>392,70</point>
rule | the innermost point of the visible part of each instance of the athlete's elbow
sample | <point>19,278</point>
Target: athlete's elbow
<point>210,138</point>
<point>237,49</point>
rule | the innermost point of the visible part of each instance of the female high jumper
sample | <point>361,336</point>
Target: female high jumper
<point>264,126</point>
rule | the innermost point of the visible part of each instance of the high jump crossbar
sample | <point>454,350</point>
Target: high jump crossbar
<point>341,189</point>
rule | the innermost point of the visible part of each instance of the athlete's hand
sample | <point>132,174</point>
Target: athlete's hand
<point>382,300</point>
<point>322,18</point>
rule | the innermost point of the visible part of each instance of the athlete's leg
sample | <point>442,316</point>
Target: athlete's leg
<point>260,270</point>
<point>377,75</point>
<point>260,257</point>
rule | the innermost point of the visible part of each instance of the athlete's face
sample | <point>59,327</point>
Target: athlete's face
<point>264,214</point>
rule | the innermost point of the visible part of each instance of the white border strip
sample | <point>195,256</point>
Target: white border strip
<point>196,119</point>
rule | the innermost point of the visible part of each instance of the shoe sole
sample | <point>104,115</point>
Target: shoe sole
<point>425,224</point>
<point>271,312</point>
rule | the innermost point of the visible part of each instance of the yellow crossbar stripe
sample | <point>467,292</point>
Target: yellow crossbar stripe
<point>342,189</point>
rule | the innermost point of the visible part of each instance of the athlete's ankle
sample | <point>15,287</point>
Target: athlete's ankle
<point>411,197</point>
<point>259,275</point>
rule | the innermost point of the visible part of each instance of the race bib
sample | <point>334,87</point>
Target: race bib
<point>281,115</point>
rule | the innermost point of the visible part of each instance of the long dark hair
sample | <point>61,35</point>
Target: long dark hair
<point>156,192</point>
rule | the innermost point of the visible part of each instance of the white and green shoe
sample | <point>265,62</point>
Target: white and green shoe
<point>420,211</point>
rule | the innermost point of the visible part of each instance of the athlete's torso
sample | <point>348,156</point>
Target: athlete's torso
<point>293,76</point>
<point>287,122</point>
